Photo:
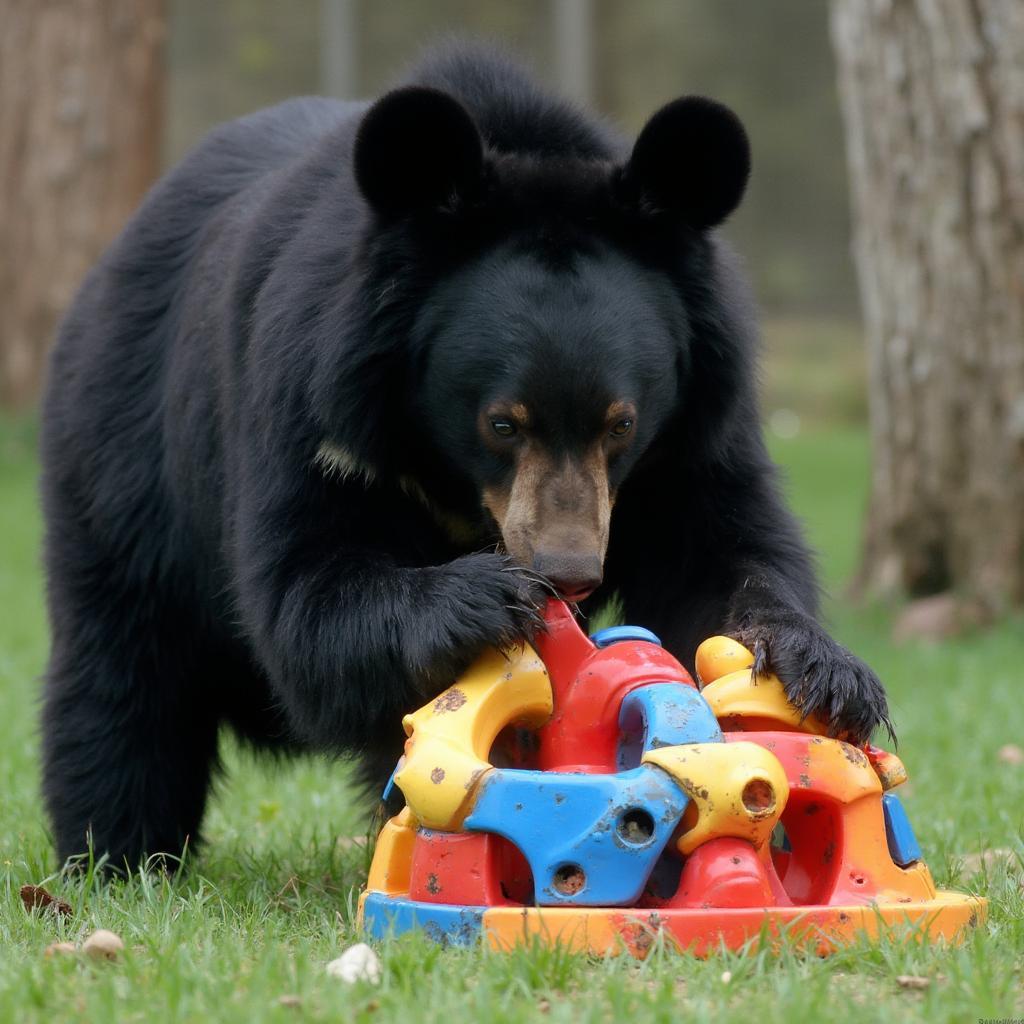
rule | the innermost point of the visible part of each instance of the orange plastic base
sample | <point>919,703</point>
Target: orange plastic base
<point>700,932</point>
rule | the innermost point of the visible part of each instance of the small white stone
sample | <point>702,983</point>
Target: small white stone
<point>726,977</point>
<point>357,963</point>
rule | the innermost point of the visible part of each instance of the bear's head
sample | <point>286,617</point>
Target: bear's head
<point>540,323</point>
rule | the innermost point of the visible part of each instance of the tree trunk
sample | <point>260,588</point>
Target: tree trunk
<point>933,100</point>
<point>81,105</point>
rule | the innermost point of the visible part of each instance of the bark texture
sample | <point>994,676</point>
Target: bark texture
<point>933,100</point>
<point>81,103</point>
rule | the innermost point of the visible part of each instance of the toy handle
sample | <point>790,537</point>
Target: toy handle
<point>563,642</point>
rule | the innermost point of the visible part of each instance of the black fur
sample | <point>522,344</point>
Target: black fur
<point>205,567</point>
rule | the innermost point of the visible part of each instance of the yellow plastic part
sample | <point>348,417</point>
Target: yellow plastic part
<point>450,739</point>
<point>721,656</point>
<point>759,702</point>
<point>391,869</point>
<point>739,789</point>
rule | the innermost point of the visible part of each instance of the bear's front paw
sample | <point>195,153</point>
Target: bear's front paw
<point>820,676</point>
<point>506,602</point>
<point>477,602</point>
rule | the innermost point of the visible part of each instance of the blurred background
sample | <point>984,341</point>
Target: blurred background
<point>624,59</point>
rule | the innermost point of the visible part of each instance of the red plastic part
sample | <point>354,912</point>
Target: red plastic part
<point>835,826</point>
<point>588,685</point>
<point>469,868</point>
<point>727,872</point>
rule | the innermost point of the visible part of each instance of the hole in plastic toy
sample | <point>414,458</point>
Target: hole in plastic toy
<point>514,747</point>
<point>759,797</point>
<point>631,738</point>
<point>664,879</point>
<point>635,826</point>
<point>858,879</point>
<point>808,869</point>
<point>516,878</point>
<point>569,879</point>
<point>781,847</point>
<point>780,839</point>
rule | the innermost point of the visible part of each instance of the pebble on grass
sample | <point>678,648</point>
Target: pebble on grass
<point>912,981</point>
<point>103,945</point>
<point>357,963</point>
<point>60,949</point>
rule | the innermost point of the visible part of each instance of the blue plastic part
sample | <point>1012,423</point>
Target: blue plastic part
<point>663,715</point>
<point>390,782</point>
<point>899,833</point>
<point>616,634</point>
<point>612,828</point>
<point>390,786</point>
<point>386,916</point>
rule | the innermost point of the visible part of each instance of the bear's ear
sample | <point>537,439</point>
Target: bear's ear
<point>692,159</point>
<point>416,148</point>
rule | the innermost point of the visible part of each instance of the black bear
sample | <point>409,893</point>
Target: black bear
<point>354,388</point>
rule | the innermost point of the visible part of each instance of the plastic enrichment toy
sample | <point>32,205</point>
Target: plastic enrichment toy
<point>588,793</point>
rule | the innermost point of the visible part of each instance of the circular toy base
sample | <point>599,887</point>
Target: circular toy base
<point>607,931</point>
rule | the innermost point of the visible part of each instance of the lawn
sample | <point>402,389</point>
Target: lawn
<point>271,898</point>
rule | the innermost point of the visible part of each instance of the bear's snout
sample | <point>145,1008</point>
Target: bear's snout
<point>574,575</point>
<point>554,518</point>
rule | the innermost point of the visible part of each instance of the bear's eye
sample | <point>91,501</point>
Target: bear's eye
<point>503,428</point>
<point>622,428</point>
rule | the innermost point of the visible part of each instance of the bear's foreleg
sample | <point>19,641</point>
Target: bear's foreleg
<point>730,558</point>
<point>353,643</point>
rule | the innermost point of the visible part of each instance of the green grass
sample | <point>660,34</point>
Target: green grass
<point>271,898</point>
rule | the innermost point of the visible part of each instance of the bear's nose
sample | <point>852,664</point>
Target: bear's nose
<point>575,576</point>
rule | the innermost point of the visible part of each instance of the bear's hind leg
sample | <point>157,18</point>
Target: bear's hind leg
<point>129,732</point>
